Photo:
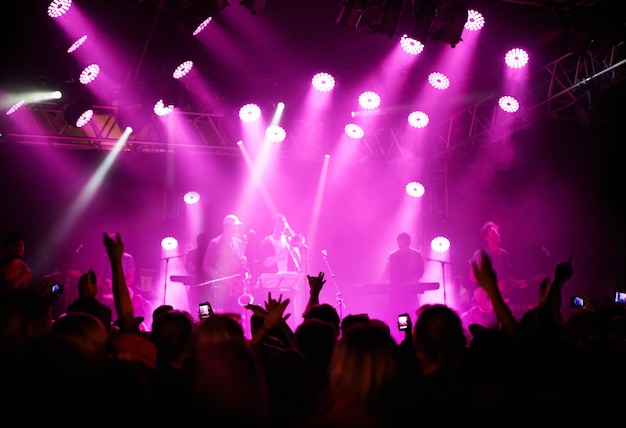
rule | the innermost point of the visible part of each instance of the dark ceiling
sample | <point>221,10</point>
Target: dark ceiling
<point>278,49</point>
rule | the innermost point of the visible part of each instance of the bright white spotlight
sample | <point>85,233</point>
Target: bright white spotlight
<point>77,44</point>
<point>84,118</point>
<point>353,130</point>
<point>410,45</point>
<point>369,100</point>
<point>323,82</point>
<point>415,189</point>
<point>183,69</point>
<point>89,74</point>
<point>202,26</point>
<point>440,244</point>
<point>508,104</point>
<point>160,109</point>
<point>275,133</point>
<point>169,243</point>
<point>15,107</point>
<point>191,197</point>
<point>58,8</point>
<point>516,58</point>
<point>475,20</point>
<point>249,113</point>
<point>439,80</point>
<point>418,119</point>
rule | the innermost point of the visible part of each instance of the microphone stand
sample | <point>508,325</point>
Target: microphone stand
<point>340,301</point>
<point>167,262</point>
<point>443,275</point>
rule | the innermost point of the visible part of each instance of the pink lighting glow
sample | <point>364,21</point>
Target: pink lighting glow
<point>508,104</point>
<point>475,20</point>
<point>275,133</point>
<point>59,7</point>
<point>323,82</point>
<point>249,113</point>
<point>89,74</point>
<point>169,243</point>
<point>369,100</point>
<point>516,58</point>
<point>415,189</point>
<point>440,244</point>
<point>191,197</point>
<point>202,26</point>
<point>418,119</point>
<point>182,69</point>
<point>84,118</point>
<point>411,46</point>
<point>353,130</point>
<point>77,44</point>
<point>439,80</point>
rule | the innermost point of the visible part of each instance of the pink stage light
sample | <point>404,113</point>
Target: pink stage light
<point>353,130</point>
<point>58,8</point>
<point>160,109</point>
<point>15,107</point>
<point>508,104</point>
<point>475,20</point>
<point>202,26</point>
<point>89,74</point>
<point>169,243</point>
<point>191,197</point>
<point>439,80</point>
<point>250,113</point>
<point>77,44</point>
<point>411,46</point>
<point>275,133</point>
<point>323,82</point>
<point>369,100</point>
<point>183,69</point>
<point>440,244</point>
<point>516,58</point>
<point>418,119</point>
<point>84,118</point>
<point>415,189</point>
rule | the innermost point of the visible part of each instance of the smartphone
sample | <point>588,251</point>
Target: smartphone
<point>620,297</point>
<point>403,321</point>
<point>58,287</point>
<point>205,310</point>
<point>576,302</point>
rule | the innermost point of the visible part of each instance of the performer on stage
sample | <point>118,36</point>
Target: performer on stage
<point>225,265</point>
<point>405,266</point>
<point>278,252</point>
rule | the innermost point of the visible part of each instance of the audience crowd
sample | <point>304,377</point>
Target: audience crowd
<point>92,365</point>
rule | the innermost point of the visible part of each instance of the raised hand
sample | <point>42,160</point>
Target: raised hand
<point>485,274</point>
<point>114,245</point>
<point>275,309</point>
<point>316,283</point>
<point>564,270</point>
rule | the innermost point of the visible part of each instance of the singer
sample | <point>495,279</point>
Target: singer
<point>277,253</point>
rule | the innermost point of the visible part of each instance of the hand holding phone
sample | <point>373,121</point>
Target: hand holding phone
<point>403,321</point>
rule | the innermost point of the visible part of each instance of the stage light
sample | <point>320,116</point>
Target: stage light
<point>58,8</point>
<point>415,189</point>
<point>78,114</point>
<point>350,14</point>
<point>353,130</point>
<point>183,69</point>
<point>411,46</point>
<point>250,113</point>
<point>89,74</point>
<point>160,109</point>
<point>275,133</point>
<point>15,107</point>
<point>475,20</point>
<point>423,15</point>
<point>369,100</point>
<point>323,82</point>
<point>440,244</point>
<point>439,80</point>
<point>202,26</point>
<point>169,243</point>
<point>191,197</point>
<point>508,104</point>
<point>451,28</point>
<point>516,58</point>
<point>418,119</point>
<point>77,44</point>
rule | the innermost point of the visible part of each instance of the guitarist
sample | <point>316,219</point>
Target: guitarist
<point>500,259</point>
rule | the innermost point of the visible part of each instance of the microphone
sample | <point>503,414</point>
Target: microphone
<point>80,247</point>
<point>545,250</point>
<point>324,253</point>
